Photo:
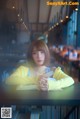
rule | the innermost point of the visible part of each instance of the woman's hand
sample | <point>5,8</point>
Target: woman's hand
<point>43,83</point>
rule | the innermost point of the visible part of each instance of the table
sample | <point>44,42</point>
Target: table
<point>67,96</point>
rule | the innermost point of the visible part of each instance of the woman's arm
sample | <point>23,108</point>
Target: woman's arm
<point>62,83</point>
<point>62,80</point>
<point>20,77</point>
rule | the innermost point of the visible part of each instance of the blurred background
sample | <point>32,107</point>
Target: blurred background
<point>22,21</point>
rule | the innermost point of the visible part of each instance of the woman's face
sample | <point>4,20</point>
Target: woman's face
<point>38,57</point>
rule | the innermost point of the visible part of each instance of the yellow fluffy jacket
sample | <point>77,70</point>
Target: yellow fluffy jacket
<point>21,77</point>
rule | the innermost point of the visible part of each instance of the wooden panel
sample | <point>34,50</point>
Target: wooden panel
<point>43,11</point>
<point>32,10</point>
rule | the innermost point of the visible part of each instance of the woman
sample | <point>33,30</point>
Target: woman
<point>33,73</point>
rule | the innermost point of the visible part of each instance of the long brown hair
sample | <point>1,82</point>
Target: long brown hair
<point>39,45</point>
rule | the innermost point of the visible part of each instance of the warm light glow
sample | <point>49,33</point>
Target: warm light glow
<point>67,17</point>
<point>61,20</point>
<point>54,25</point>
<point>13,7</point>
<point>21,19</point>
<point>57,24</point>
<point>49,29</point>
<point>76,9</point>
<point>18,15</point>
<point>25,25</point>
